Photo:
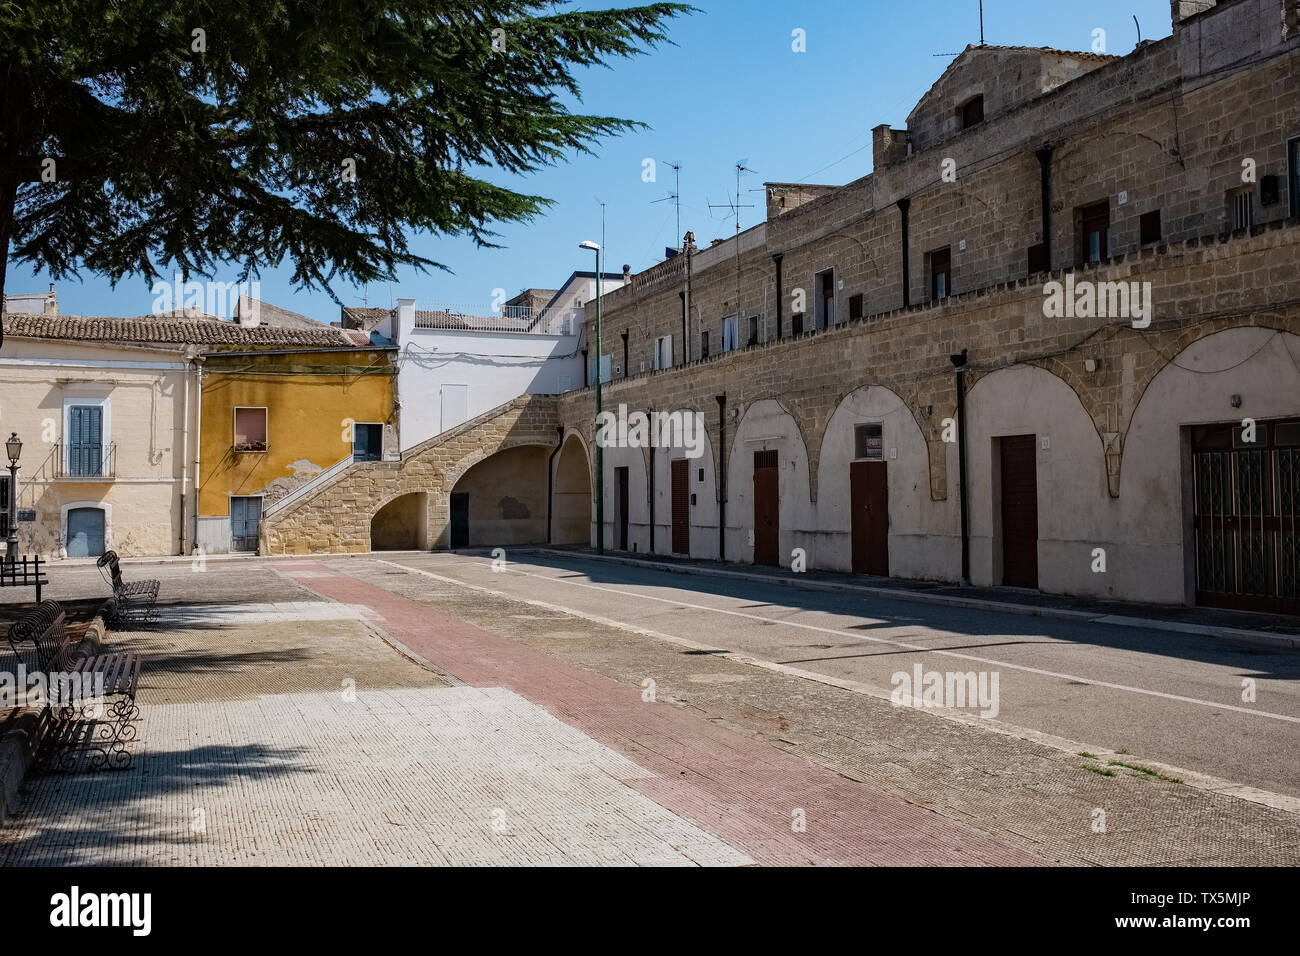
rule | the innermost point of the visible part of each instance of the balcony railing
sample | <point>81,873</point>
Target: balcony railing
<point>85,461</point>
<point>521,319</point>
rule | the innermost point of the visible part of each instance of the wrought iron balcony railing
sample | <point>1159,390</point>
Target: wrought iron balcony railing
<point>85,461</point>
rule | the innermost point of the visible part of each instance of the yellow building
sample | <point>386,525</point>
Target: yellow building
<point>274,422</point>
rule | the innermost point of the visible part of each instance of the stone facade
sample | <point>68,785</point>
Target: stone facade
<point>337,516</point>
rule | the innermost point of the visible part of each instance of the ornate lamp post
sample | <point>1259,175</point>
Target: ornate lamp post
<point>14,448</point>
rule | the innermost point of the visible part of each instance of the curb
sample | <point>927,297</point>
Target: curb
<point>1284,641</point>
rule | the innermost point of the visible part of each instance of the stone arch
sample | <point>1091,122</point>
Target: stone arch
<point>919,527</point>
<point>1196,386</point>
<point>1075,510</point>
<point>506,495</point>
<point>401,523</point>
<point>572,488</point>
<point>768,424</point>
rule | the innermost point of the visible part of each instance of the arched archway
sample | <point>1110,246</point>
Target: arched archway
<point>571,494</point>
<point>501,500</point>
<point>402,524</point>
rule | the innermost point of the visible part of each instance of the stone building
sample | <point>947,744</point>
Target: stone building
<point>1052,341</point>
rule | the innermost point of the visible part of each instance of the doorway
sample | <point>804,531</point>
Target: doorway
<point>245,516</point>
<point>459,519</point>
<point>767,509</point>
<point>681,482</point>
<point>620,506</point>
<point>1019,473</point>
<point>85,532</point>
<point>869,499</point>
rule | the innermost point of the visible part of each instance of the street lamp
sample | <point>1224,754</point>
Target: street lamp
<point>600,457</point>
<point>14,448</point>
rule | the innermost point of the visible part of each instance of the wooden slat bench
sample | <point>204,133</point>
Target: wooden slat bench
<point>134,602</point>
<point>91,700</point>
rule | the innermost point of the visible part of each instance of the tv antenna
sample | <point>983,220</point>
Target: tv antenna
<point>736,205</point>
<point>675,196</point>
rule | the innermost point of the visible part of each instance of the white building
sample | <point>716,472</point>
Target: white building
<point>454,365</point>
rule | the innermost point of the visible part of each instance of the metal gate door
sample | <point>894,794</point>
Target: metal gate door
<point>681,480</point>
<point>1245,524</point>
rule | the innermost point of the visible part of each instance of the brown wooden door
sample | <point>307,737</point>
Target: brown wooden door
<point>620,504</point>
<point>681,480</point>
<point>767,509</point>
<point>869,500</point>
<point>1019,511</point>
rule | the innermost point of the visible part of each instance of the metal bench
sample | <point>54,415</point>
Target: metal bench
<point>134,602</point>
<point>90,700</point>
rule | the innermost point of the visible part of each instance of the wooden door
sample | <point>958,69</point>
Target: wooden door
<point>1019,511</point>
<point>767,509</point>
<point>869,500</point>
<point>681,482</point>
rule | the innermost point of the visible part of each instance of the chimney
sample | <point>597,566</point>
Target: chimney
<point>1180,10</point>
<point>405,321</point>
<point>888,146</point>
<point>248,312</point>
<point>52,302</point>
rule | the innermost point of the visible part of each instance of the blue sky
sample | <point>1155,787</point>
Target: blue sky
<point>731,89</point>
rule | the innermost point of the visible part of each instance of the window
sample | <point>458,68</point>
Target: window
<point>940,274</point>
<point>704,344</point>
<point>972,112</point>
<point>824,316</point>
<point>664,352</point>
<point>455,405</point>
<point>1241,209</point>
<point>1149,226</point>
<point>605,366</point>
<point>1094,228</point>
<point>796,325</point>
<point>730,333</point>
<point>367,441</point>
<point>868,442</point>
<point>855,307</point>
<point>250,429</point>
<point>85,441</point>
<point>753,331</point>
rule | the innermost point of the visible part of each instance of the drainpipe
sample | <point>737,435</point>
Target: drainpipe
<point>722,472</point>
<point>198,448</point>
<point>550,480</point>
<point>959,363</point>
<point>185,461</point>
<point>1045,176</point>
<point>780,301</point>
<point>904,205</point>
<point>689,242</point>
<point>652,488</point>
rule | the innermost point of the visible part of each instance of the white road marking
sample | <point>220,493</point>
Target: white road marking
<point>883,640</point>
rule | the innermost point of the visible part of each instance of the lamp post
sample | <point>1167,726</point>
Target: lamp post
<point>14,448</point>
<point>600,456</point>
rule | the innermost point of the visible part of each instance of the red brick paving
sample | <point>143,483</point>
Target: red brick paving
<point>742,790</point>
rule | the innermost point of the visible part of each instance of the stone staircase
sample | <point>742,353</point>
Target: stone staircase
<point>333,515</point>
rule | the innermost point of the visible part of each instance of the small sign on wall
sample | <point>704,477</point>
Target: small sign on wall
<point>26,514</point>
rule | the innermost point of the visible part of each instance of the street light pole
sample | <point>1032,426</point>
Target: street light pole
<point>14,448</point>
<point>600,452</point>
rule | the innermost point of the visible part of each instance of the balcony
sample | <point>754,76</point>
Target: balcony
<point>84,461</point>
